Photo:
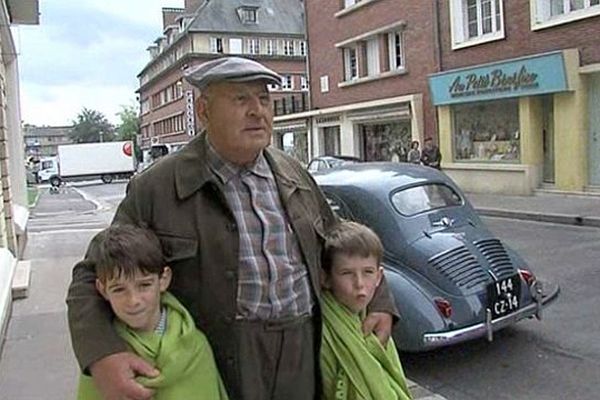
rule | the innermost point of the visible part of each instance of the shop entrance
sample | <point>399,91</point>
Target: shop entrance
<point>385,141</point>
<point>548,138</point>
<point>594,113</point>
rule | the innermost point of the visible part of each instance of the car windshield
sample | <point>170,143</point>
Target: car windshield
<point>418,199</point>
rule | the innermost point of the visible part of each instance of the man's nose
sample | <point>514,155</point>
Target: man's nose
<point>255,106</point>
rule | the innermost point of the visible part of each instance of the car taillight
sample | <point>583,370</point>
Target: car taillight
<point>527,276</point>
<point>443,306</point>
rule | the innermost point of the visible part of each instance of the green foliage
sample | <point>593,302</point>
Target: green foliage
<point>129,127</point>
<point>92,126</point>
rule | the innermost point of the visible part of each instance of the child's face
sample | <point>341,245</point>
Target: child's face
<point>353,280</point>
<point>136,301</point>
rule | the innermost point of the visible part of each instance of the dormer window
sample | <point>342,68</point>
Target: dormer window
<point>248,15</point>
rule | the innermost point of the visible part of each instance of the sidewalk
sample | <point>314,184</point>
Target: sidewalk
<point>568,209</point>
<point>36,361</point>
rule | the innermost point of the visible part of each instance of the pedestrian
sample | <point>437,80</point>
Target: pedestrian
<point>241,225</point>
<point>132,276</point>
<point>431,156</point>
<point>414,154</point>
<point>355,366</point>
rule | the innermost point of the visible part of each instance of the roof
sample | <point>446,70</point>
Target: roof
<point>273,17</point>
<point>37,131</point>
<point>375,176</point>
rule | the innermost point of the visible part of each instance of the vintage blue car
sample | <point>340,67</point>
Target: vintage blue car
<point>452,279</point>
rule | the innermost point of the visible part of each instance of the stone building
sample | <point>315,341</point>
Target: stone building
<point>13,197</point>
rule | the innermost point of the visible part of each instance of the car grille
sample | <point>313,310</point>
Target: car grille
<point>495,253</point>
<point>460,266</point>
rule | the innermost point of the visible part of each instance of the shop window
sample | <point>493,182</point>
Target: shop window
<point>553,12</point>
<point>330,140</point>
<point>476,21</point>
<point>487,131</point>
<point>385,141</point>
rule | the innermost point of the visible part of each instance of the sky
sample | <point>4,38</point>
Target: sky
<point>85,53</point>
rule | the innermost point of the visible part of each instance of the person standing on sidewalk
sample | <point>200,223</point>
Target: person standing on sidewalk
<point>431,156</point>
<point>241,225</point>
<point>414,155</point>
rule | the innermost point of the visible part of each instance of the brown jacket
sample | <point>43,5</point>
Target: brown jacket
<point>184,204</point>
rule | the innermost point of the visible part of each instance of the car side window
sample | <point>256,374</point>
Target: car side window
<point>338,206</point>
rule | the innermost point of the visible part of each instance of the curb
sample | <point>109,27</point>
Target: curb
<point>566,219</point>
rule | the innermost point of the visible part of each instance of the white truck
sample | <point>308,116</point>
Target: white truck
<point>83,161</point>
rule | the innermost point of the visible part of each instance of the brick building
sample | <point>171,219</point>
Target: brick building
<point>43,141</point>
<point>368,66</point>
<point>269,31</point>
<point>518,100</point>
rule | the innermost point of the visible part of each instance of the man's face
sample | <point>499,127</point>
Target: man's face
<point>238,118</point>
<point>353,280</point>
<point>428,144</point>
<point>136,301</point>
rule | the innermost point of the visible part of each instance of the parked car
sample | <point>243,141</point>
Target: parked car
<point>452,279</point>
<point>326,162</point>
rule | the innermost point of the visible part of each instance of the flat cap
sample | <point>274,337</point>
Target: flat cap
<point>230,69</point>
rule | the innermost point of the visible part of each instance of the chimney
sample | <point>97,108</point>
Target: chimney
<point>191,6</point>
<point>170,14</point>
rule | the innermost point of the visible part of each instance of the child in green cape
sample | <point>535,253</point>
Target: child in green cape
<point>133,278</point>
<point>355,367</point>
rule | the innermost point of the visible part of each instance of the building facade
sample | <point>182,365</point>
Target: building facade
<point>518,100</point>
<point>43,141</point>
<point>269,31</point>
<point>13,196</point>
<point>368,66</point>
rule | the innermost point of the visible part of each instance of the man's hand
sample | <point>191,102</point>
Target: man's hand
<point>379,323</point>
<point>114,376</point>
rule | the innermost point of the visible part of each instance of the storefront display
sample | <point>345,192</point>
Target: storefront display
<point>385,141</point>
<point>486,131</point>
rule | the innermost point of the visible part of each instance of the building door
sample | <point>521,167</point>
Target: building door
<point>594,113</point>
<point>330,141</point>
<point>548,138</point>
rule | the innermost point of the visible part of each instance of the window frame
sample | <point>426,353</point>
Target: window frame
<point>459,23</point>
<point>541,17</point>
<point>392,51</point>
<point>350,63</point>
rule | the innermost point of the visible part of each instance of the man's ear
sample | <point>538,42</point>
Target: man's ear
<point>201,110</point>
<point>101,288</point>
<point>164,280</point>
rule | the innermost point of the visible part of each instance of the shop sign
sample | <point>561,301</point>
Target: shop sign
<point>520,77</point>
<point>189,113</point>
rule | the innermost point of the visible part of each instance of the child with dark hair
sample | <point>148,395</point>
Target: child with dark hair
<point>133,277</point>
<point>354,366</point>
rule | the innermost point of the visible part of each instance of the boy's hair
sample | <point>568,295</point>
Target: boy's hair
<point>350,239</point>
<point>123,250</point>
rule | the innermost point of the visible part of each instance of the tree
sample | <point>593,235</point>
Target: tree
<point>92,126</point>
<point>129,127</point>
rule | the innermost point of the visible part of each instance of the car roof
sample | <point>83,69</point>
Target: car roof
<point>371,175</point>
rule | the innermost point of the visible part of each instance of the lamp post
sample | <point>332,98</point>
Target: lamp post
<point>101,133</point>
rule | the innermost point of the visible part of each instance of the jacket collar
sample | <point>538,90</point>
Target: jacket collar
<point>192,171</point>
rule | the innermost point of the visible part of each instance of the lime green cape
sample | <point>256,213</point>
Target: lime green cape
<point>182,355</point>
<point>355,367</point>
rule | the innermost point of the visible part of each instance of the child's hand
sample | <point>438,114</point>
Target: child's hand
<point>114,375</point>
<point>379,323</point>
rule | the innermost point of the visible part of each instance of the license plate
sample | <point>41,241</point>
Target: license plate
<point>504,296</point>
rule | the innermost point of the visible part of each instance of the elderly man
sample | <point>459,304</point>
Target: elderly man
<point>242,227</point>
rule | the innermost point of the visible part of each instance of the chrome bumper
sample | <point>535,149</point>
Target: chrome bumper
<point>487,328</point>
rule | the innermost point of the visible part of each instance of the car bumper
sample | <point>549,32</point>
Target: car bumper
<point>542,298</point>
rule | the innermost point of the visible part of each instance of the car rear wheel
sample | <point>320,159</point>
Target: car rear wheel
<point>55,181</point>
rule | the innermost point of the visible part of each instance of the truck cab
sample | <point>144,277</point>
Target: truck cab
<point>48,168</point>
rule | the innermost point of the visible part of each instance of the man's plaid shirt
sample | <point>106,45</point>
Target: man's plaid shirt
<point>273,280</point>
